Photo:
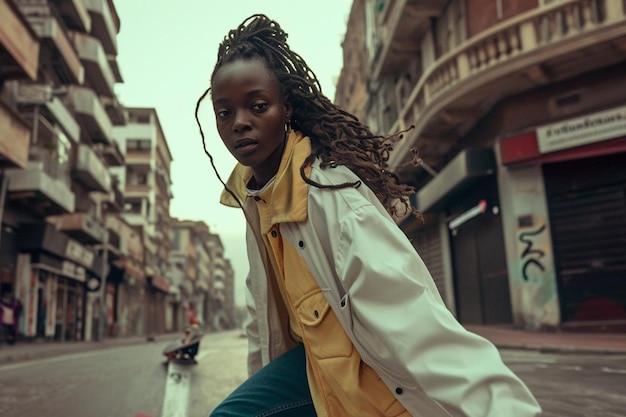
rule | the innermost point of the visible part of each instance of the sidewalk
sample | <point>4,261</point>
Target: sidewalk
<point>503,337</point>
<point>25,351</point>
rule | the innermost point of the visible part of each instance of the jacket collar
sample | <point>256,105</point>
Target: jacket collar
<point>288,198</point>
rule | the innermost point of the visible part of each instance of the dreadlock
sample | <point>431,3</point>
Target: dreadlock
<point>337,137</point>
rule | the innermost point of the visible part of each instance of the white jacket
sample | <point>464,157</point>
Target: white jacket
<point>387,303</point>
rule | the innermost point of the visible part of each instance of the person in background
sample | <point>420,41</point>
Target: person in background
<point>344,317</point>
<point>10,310</point>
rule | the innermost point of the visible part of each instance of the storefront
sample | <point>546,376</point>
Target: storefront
<point>579,165</point>
<point>158,289</point>
<point>463,244</point>
<point>53,276</point>
<point>131,299</point>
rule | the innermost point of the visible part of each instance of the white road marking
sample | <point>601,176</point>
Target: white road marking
<point>613,370</point>
<point>177,387</point>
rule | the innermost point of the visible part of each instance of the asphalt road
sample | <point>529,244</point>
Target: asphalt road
<point>120,382</point>
<point>129,380</point>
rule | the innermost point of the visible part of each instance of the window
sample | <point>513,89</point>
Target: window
<point>139,118</point>
<point>176,239</point>
<point>132,206</point>
<point>138,145</point>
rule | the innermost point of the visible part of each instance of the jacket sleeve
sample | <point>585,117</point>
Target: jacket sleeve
<point>405,329</point>
<point>255,357</point>
<point>252,331</point>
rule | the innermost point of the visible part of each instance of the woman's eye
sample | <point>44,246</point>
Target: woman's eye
<point>222,113</point>
<point>259,106</point>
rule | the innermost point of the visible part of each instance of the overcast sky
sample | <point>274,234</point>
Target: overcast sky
<point>166,52</point>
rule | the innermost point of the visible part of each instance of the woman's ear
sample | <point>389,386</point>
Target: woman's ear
<point>288,109</point>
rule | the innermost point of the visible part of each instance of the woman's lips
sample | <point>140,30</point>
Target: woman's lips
<point>245,146</point>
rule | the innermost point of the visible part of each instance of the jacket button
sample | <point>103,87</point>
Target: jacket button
<point>274,234</point>
<point>301,244</point>
<point>399,391</point>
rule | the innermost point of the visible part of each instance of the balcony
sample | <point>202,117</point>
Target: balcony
<point>114,225</point>
<point>40,188</point>
<point>75,14</point>
<point>548,44</point>
<point>90,170</point>
<point>138,157</point>
<point>111,154</point>
<point>65,61</point>
<point>115,110</point>
<point>400,25</point>
<point>103,23</point>
<point>81,226</point>
<point>14,138</point>
<point>114,200</point>
<point>43,186</point>
<point>45,96</point>
<point>94,59</point>
<point>115,68</point>
<point>91,115</point>
<point>19,45</point>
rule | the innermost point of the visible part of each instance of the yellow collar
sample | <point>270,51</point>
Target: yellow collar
<point>288,196</point>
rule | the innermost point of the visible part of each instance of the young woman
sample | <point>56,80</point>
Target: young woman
<point>345,319</point>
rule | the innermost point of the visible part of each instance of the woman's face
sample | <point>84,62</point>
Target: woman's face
<point>250,112</point>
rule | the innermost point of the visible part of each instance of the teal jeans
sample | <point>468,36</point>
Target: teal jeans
<point>278,389</point>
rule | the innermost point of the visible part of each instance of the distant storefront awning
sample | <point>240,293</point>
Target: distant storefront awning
<point>58,266</point>
<point>159,283</point>
<point>461,173</point>
<point>131,269</point>
<point>43,237</point>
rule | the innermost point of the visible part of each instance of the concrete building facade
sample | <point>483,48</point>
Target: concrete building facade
<point>85,184</point>
<point>517,112</point>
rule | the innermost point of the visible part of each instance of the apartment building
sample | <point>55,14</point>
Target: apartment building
<point>147,195</point>
<point>202,275</point>
<point>59,108</point>
<point>518,113</point>
<point>221,290</point>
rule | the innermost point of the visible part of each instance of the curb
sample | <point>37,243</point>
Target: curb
<point>562,349</point>
<point>47,350</point>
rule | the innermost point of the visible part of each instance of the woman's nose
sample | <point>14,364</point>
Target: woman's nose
<point>241,122</point>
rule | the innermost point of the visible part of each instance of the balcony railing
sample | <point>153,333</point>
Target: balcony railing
<point>94,59</point>
<point>114,200</point>
<point>90,170</point>
<point>81,226</point>
<point>19,45</point>
<point>114,109</point>
<point>66,63</point>
<point>75,14</point>
<point>93,118</point>
<point>43,185</point>
<point>398,26</point>
<point>46,96</point>
<point>103,24</point>
<point>137,188</point>
<point>514,45</point>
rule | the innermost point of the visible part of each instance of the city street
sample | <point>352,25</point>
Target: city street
<point>120,381</point>
<point>124,381</point>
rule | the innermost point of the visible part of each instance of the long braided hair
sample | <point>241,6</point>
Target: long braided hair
<point>337,137</point>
